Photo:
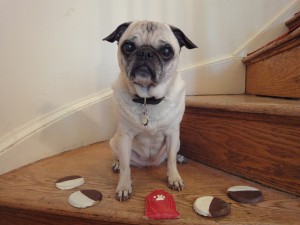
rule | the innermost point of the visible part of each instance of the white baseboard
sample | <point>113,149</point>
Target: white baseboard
<point>82,123</point>
<point>91,119</point>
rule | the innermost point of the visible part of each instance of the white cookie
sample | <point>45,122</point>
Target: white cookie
<point>84,198</point>
<point>211,207</point>
<point>69,182</point>
<point>245,194</point>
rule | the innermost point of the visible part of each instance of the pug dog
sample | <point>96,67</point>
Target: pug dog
<point>149,98</point>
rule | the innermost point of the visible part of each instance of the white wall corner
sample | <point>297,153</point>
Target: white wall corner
<point>226,74</point>
<point>222,76</point>
<point>271,30</point>
<point>82,123</point>
<point>90,120</point>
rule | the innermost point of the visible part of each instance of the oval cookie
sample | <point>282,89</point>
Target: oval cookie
<point>84,198</point>
<point>211,206</point>
<point>69,182</point>
<point>245,194</point>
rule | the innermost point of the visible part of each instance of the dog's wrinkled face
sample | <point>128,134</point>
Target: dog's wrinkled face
<point>148,51</point>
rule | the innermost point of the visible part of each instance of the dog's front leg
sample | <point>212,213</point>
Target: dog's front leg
<point>173,144</point>
<point>121,145</point>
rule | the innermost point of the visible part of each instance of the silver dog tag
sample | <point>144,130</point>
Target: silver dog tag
<point>145,119</point>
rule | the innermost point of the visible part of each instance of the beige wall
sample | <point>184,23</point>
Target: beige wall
<point>53,62</point>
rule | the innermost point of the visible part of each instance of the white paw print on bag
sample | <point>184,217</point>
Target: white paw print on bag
<point>159,197</point>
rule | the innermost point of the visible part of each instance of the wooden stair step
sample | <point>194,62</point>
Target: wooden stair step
<point>294,21</point>
<point>253,137</point>
<point>28,195</point>
<point>274,70</point>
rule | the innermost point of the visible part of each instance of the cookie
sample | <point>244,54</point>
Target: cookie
<point>69,182</point>
<point>211,207</point>
<point>245,194</point>
<point>84,198</point>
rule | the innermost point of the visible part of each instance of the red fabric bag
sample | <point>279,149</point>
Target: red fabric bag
<point>160,205</point>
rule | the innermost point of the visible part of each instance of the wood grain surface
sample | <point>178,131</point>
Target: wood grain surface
<point>284,43</point>
<point>293,22</point>
<point>276,76</point>
<point>275,71</point>
<point>246,104</point>
<point>28,195</point>
<point>261,147</point>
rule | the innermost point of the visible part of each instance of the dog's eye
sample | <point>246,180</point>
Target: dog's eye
<point>166,52</point>
<point>128,47</point>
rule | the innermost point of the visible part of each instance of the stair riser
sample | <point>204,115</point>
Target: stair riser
<point>30,217</point>
<point>262,148</point>
<point>275,73</point>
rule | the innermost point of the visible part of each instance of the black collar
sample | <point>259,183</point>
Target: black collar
<point>149,101</point>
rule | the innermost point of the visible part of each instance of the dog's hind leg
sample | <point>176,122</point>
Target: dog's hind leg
<point>116,163</point>
<point>116,166</point>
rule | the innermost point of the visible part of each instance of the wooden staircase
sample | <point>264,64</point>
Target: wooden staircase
<point>248,135</point>
<point>244,139</point>
<point>253,137</point>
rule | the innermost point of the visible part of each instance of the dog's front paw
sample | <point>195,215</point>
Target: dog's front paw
<point>123,193</point>
<point>176,183</point>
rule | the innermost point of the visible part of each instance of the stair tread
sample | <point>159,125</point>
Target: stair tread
<point>247,104</point>
<point>28,194</point>
<point>276,46</point>
<point>294,21</point>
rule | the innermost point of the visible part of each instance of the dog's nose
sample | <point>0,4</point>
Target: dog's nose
<point>145,54</point>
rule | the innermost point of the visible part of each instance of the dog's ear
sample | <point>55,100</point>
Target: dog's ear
<point>182,39</point>
<point>116,35</point>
